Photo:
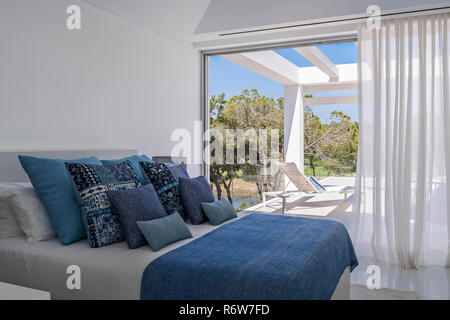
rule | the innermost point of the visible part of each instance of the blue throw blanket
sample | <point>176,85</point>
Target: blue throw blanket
<point>259,257</point>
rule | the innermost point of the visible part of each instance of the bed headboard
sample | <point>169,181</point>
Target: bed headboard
<point>12,171</point>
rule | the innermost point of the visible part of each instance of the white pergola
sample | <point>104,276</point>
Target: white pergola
<point>324,76</point>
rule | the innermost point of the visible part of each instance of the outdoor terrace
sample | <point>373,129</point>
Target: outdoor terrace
<point>329,205</point>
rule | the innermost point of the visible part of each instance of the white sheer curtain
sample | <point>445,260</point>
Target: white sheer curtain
<point>401,212</point>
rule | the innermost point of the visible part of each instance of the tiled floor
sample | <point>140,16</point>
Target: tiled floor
<point>396,283</point>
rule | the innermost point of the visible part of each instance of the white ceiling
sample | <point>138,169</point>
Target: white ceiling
<point>176,19</point>
<point>192,20</point>
<point>227,15</point>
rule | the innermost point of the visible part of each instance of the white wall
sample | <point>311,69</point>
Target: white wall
<point>113,84</point>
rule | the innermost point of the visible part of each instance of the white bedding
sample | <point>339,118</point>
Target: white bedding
<point>111,272</point>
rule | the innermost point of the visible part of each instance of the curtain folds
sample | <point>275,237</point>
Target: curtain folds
<point>400,210</point>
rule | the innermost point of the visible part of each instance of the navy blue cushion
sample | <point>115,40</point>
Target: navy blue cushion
<point>219,211</point>
<point>193,193</point>
<point>140,204</point>
<point>134,161</point>
<point>92,182</point>
<point>53,186</point>
<point>161,232</point>
<point>178,170</point>
<point>166,186</point>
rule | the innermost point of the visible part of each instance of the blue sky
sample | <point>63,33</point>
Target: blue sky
<point>229,78</point>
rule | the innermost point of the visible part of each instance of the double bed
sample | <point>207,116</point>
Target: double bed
<point>116,272</point>
<point>111,272</point>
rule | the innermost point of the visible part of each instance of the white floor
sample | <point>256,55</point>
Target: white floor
<point>396,283</point>
<point>426,283</point>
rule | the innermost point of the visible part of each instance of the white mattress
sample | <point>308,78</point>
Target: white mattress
<point>111,272</point>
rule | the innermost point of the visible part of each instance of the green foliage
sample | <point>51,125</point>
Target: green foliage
<point>334,143</point>
<point>330,148</point>
<point>248,110</point>
<point>243,206</point>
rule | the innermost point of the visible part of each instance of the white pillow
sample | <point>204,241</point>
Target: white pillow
<point>9,227</point>
<point>30,214</point>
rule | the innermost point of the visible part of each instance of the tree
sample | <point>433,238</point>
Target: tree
<point>335,142</point>
<point>314,133</point>
<point>222,175</point>
<point>248,110</point>
<point>342,153</point>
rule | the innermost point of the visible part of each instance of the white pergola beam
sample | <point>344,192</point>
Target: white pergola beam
<point>293,127</point>
<point>324,101</point>
<point>347,72</point>
<point>268,64</point>
<point>330,86</point>
<point>321,61</point>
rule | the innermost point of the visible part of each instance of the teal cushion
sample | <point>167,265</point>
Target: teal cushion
<point>51,181</point>
<point>134,161</point>
<point>219,211</point>
<point>161,232</point>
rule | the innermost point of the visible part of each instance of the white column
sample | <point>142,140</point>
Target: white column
<point>293,126</point>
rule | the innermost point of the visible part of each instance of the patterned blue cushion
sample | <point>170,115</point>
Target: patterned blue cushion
<point>134,161</point>
<point>194,192</point>
<point>166,186</point>
<point>91,182</point>
<point>139,204</point>
<point>178,170</point>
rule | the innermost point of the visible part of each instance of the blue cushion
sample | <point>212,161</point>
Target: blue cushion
<point>193,193</point>
<point>219,211</point>
<point>178,170</point>
<point>134,161</point>
<point>53,186</point>
<point>140,204</point>
<point>92,182</point>
<point>161,232</point>
<point>320,188</point>
<point>166,186</point>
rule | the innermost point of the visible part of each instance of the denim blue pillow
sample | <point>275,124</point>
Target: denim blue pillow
<point>140,204</point>
<point>166,186</point>
<point>178,170</point>
<point>134,161</point>
<point>219,211</point>
<point>92,182</point>
<point>161,232</point>
<point>193,193</point>
<point>53,186</point>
